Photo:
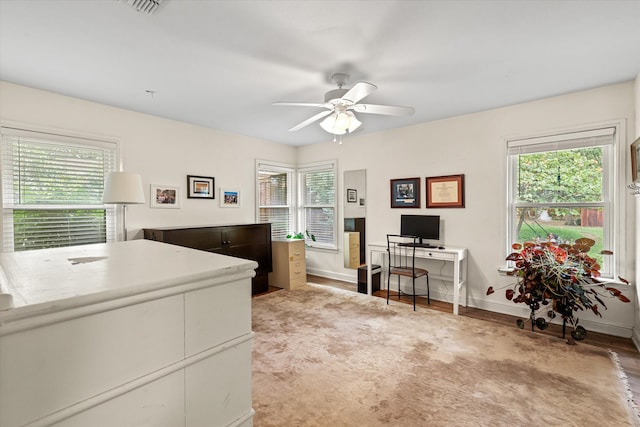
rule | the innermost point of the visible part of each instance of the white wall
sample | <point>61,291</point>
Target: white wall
<point>165,151</point>
<point>474,145</point>
<point>162,151</point>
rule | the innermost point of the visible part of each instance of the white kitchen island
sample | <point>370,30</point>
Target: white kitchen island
<point>136,333</point>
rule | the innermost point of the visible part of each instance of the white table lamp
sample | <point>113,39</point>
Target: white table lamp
<point>123,188</point>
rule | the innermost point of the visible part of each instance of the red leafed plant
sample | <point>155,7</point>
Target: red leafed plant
<point>560,279</point>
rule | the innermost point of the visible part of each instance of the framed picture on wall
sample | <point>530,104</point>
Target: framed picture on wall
<point>635,161</point>
<point>405,193</point>
<point>352,195</point>
<point>445,191</point>
<point>229,198</point>
<point>200,187</point>
<point>164,196</point>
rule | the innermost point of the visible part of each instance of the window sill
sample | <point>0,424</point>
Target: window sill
<point>322,249</point>
<point>505,271</point>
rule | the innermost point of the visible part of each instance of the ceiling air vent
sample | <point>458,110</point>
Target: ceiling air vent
<point>145,6</point>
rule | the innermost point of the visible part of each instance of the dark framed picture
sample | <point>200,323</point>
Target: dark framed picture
<point>405,193</point>
<point>445,191</point>
<point>200,187</point>
<point>635,161</point>
<point>352,195</point>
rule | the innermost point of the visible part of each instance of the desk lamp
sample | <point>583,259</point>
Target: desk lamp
<point>123,188</point>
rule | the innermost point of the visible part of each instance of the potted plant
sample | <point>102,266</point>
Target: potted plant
<point>301,235</point>
<point>559,279</point>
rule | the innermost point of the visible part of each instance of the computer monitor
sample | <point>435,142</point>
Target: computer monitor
<point>426,227</point>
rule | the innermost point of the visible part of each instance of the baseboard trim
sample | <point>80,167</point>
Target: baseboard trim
<point>343,277</point>
<point>522,311</point>
<point>516,310</point>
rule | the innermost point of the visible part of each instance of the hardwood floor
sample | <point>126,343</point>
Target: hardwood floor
<point>628,354</point>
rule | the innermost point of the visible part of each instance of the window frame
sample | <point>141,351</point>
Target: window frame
<point>561,140</point>
<point>295,194</point>
<point>290,170</point>
<point>323,166</point>
<point>57,137</point>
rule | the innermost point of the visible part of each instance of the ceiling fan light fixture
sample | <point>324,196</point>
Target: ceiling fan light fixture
<point>355,123</point>
<point>338,119</point>
<point>340,123</point>
<point>343,121</point>
<point>329,124</point>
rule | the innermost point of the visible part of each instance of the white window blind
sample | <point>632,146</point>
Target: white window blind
<point>565,141</point>
<point>275,198</point>
<point>52,190</point>
<point>317,203</point>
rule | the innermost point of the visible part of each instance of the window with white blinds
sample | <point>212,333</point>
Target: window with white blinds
<point>275,198</point>
<point>317,203</point>
<point>52,190</point>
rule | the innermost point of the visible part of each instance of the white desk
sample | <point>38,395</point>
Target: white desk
<point>458,256</point>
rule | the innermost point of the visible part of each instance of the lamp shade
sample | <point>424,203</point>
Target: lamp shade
<point>123,188</point>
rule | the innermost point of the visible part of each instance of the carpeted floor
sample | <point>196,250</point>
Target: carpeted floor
<point>328,357</point>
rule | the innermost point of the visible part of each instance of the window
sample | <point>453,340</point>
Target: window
<point>560,188</point>
<point>275,198</point>
<point>52,190</point>
<point>314,210</point>
<point>317,203</point>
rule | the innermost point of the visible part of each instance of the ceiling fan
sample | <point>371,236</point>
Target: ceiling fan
<point>341,103</point>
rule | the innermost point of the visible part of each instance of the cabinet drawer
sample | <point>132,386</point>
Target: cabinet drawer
<point>196,238</point>
<point>54,366</point>
<point>440,255</point>
<point>297,267</point>
<point>296,250</point>
<point>296,282</point>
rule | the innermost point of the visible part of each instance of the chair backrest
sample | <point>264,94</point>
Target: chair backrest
<point>402,250</point>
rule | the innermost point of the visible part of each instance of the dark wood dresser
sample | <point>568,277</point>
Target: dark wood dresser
<point>247,241</point>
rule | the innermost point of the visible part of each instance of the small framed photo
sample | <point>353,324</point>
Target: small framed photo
<point>405,193</point>
<point>164,196</point>
<point>352,195</point>
<point>445,191</point>
<point>635,161</point>
<point>229,198</point>
<point>200,187</point>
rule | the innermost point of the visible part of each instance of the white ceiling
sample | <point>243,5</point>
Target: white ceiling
<point>221,64</point>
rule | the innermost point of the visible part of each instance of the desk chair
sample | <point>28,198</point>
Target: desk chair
<point>402,262</point>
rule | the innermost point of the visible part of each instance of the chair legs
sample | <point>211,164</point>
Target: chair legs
<point>428,298</point>
<point>388,286</point>
<point>413,287</point>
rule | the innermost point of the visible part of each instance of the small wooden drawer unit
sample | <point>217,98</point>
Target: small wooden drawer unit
<point>352,249</point>
<point>289,265</point>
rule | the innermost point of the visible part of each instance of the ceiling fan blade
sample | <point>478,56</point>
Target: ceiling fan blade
<point>299,104</point>
<point>390,110</point>
<point>310,120</point>
<point>359,91</point>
